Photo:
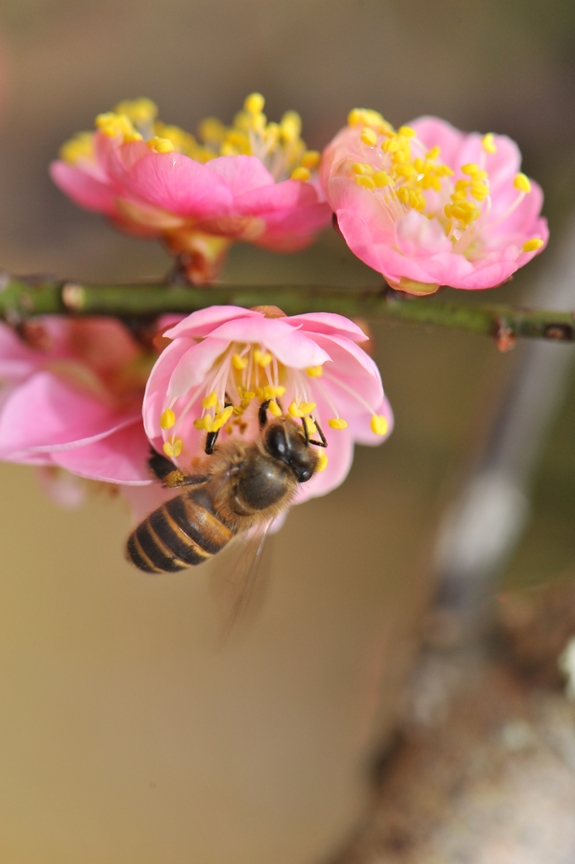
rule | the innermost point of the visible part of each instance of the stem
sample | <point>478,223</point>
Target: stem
<point>21,298</point>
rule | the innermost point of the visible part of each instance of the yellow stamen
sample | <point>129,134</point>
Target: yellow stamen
<point>488,143</point>
<point>310,159</point>
<point>322,462</point>
<point>306,407</point>
<point>406,131</point>
<point>362,168</point>
<point>275,409</point>
<point>167,419</point>
<point>138,110</point>
<point>172,449</point>
<point>433,153</point>
<point>262,358</point>
<point>300,173</point>
<point>379,424</point>
<point>522,183</point>
<point>290,126</point>
<point>368,136</point>
<point>79,147</point>
<point>302,409</point>
<point>210,401</point>
<point>160,145</point>
<point>200,423</point>
<point>117,126</point>
<point>532,245</point>
<point>470,168</point>
<point>239,362</point>
<point>314,371</point>
<point>381,178</point>
<point>367,182</point>
<point>254,103</point>
<point>337,423</point>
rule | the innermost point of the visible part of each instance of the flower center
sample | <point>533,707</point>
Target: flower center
<point>244,378</point>
<point>405,175</point>
<point>278,146</point>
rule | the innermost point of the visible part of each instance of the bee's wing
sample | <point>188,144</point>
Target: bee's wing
<point>237,581</point>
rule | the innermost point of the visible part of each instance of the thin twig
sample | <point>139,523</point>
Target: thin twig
<point>23,297</point>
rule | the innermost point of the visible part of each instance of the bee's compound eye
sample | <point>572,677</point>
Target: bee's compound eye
<point>276,442</point>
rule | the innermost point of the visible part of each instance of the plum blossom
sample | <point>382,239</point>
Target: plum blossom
<point>428,205</point>
<point>224,362</point>
<point>71,398</point>
<point>253,182</point>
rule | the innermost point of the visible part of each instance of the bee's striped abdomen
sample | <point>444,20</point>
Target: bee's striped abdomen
<point>181,533</point>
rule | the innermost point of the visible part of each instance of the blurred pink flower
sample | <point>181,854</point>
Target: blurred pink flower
<point>225,361</point>
<point>254,182</point>
<point>428,205</point>
<point>71,398</point>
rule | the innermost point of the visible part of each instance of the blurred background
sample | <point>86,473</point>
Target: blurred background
<point>124,736</point>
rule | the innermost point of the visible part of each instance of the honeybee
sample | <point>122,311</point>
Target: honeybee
<point>245,486</point>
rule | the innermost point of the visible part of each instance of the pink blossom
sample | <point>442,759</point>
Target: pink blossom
<point>254,182</point>
<point>71,398</point>
<point>428,205</point>
<point>225,361</point>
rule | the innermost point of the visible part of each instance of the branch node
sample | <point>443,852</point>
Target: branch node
<point>73,296</point>
<point>559,332</point>
<point>505,338</point>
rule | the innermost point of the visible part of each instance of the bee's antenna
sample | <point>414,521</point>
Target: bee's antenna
<point>262,416</point>
<point>308,440</point>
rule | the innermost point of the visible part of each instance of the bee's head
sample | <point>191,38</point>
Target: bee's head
<point>283,440</point>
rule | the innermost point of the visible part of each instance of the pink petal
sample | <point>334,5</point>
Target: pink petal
<point>121,457</point>
<point>45,413</point>
<point>329,324</point>
<point>83,189</point>
<point>242,174</point>
<point>177,184</point>
<point>291,347</point>
<point>203,322</point>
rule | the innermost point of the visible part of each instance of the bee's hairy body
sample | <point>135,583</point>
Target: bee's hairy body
<point>246,484</point>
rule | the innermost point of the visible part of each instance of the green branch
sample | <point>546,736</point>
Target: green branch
<point>21,298</point>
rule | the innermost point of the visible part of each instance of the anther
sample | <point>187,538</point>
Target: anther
<point>300,173</point>
<point>379,424</point>
<point>210,400</point>
<point>314,371</point>
<point>167,419</point>
<point>381,179</point>
<point>321,462</point>
<point>262,358</point>
<point>254,103</point>
<point>238,362</point>
<point>368,137</point>
<point>275,409</point>
<point>522,183</point>
<point>160,145</point>
<point>172,449</point>
<point>532,245</point>
<point>488,143</point>
<point>337,423</point>
<point>367,182</point>
<point>310,159</point>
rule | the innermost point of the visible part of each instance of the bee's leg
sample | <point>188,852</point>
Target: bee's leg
<point>160,465</point>
<point>262,416</point>
<point>323,442</point>
<point>172,477</point>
